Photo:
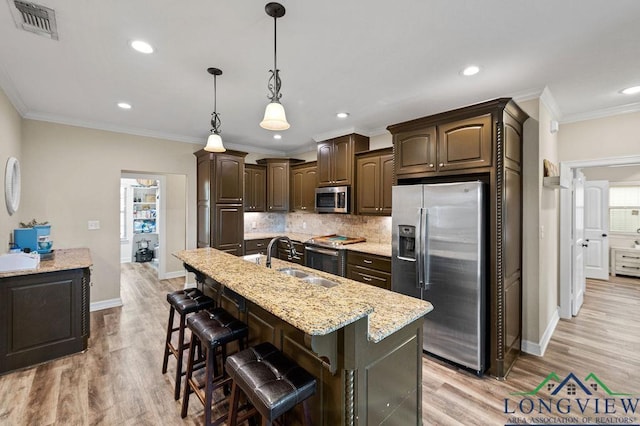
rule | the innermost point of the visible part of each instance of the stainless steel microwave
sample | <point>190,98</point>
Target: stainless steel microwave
<point>333,199</point>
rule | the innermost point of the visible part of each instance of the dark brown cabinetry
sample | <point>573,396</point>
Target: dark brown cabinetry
<point>480,142</point>
<point>278,180</point>
<point>304,179</point>
<point>43,316</point>
<point>220,189</point>
<point>374,180</point>
<point>255,188</point>
<point>336,158</point>
<point>369,269</point>
<point>258,246</point>
<point>456,145</point>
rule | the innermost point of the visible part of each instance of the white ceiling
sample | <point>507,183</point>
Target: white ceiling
<point>383,62</point>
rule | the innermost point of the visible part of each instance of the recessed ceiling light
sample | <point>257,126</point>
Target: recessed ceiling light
<point>342,114</point>
<point>631,90</point>
<point>124,105</point>
<point>471,70</point>
<point>277,136</point>
<point>141,46</point>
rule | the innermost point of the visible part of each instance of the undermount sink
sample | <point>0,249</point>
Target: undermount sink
<point>293,272</point>
<point>320,281</point>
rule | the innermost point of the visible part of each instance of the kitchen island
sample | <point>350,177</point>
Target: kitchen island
<point>44,312</point>
<point>362,343</point>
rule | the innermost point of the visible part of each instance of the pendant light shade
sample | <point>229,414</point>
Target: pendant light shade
<point>274,115</point>
<point>214,142</point>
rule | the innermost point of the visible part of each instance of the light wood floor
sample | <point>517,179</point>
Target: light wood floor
<point>118,380</point>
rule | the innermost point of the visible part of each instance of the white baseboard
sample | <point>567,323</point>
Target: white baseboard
<point>105,304</point>
<point>538,348</point>
<point>174,274</point>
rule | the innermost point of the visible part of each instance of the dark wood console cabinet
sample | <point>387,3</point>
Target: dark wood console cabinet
<point>220,193</point>
<point>43,316</point>
<point>479,142</point>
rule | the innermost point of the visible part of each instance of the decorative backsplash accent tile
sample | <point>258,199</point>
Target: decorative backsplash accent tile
<point>375,229</point>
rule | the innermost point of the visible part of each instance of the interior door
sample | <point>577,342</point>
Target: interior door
<point>578,283</point>
<point>596,229</point>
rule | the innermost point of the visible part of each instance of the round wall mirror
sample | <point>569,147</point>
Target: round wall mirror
<point>12,185</point>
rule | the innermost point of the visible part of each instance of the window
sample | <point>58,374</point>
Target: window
<point>123,212</point>
<point>624,209</point>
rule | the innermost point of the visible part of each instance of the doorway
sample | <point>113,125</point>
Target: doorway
<point>142,219</point>
<point>567,265</point>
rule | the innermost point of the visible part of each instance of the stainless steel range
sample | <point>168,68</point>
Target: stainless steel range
<point>327,253</point>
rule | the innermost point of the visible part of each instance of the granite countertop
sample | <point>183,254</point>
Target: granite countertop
<point>314,309</point>
<point>63,260</point>
<point>380,249</point>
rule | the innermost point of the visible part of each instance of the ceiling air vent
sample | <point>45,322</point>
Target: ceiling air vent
<point>35,18</point>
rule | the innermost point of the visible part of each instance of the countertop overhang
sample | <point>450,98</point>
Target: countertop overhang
<point>314,309</point>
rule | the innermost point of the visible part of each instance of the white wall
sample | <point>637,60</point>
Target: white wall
<point>540,230</point>
<point>10,146</point>
<point>615,136</point>
<point>72,175</point>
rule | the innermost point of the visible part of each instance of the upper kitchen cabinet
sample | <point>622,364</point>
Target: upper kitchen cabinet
<point>220,212</point>
<point>255,188</point>
<point>374,180</point>
<point>457,145</point>
<point>336,159</point>
<point>278,180</point>
<point>480,142</point>
<point>304,179</point>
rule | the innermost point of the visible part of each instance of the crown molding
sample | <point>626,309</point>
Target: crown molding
<point>337,133</point>
<point>550,102</point>
<point>12,94</point>
<point>601,113</point>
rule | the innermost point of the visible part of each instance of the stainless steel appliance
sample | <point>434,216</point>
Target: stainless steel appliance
<point>333,199</point>
<point>438,249</point>
<point>327,253</point>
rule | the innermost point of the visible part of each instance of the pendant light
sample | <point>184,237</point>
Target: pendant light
<point>274,115</point>
<point>214,143</point>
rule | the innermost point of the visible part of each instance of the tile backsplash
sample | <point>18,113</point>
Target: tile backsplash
<point>375,229</point>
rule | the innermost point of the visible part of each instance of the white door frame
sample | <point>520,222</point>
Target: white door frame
<point>162,231</point>
<point>566,175</point>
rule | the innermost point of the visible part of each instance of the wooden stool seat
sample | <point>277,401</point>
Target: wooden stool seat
<point>272,383</point>
<point>213,329</point>
<point>186,302</point>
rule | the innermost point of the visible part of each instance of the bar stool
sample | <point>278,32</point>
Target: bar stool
<point>186,302</point>
<point>213,329</point>
<point>272,383</point>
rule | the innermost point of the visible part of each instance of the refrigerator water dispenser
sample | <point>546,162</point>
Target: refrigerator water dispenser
<point>407,242</point>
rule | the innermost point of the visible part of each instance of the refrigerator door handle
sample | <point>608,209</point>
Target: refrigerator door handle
<point>425,255</point>
<point>420,249</point>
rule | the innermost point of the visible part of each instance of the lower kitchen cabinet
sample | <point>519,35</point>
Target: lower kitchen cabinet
<point>369,269</point>
<point>43,316</point>
<point>258,246</point>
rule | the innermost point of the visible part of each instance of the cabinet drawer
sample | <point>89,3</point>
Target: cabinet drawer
<point>627,258</point>
<point>372,261</point>
<point>369,276</point>
<point>256,246</point>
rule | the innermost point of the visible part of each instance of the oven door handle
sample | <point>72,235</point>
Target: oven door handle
<point>322,251</point>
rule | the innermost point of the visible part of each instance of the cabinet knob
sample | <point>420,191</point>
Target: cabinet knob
<point>430,164</point>
<point>441,165</point>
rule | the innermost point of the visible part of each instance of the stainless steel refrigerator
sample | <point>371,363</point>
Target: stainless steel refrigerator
<point>439,254</point>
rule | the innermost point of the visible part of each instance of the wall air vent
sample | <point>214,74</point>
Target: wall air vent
<point>35,18</point>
